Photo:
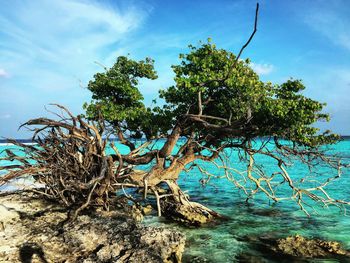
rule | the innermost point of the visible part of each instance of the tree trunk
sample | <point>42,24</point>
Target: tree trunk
<point>175,204</point>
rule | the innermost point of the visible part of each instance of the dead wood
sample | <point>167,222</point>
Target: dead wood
<point>68,157</point>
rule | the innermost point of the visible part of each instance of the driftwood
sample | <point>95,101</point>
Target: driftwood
<point>68,158</point>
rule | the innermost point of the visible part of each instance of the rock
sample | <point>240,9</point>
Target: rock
<point>7,215</point>
<point>108,240</point>
<point>147,210</point>
<point>39,235</point>
<point>136,213</point>
<point>190,213</point>
<point>268,247</point>
<point>196,259</point>
<point>299,246</point>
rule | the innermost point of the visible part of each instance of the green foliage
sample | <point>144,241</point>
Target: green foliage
<point>289,114</point>
<point>224,91</point>
<point>227,92</point>
<point>116,96</point>
<point>229,89</point>
<point>115,92</point>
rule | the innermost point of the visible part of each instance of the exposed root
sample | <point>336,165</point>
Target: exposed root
<point>68,158</point>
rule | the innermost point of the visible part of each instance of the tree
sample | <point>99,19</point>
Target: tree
<point>217,103</point>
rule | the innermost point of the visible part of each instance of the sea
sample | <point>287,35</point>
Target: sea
<point>248,225</point>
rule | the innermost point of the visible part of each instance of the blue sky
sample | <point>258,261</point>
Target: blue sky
<point>48,48</point>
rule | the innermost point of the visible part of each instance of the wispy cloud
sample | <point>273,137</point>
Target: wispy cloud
<point>60,39</point>
<point>331,19</point>
<point>5,116</point>
<point>3,73</point>
<point>49,46</point>
<point>262,69</point>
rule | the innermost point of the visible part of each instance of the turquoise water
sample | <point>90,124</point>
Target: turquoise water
<point>238,236</point>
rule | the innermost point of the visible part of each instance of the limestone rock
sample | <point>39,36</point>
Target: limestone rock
<point>292,249</point>
<point>35,233</point>
<point>309,248</point>
<point>136,214</point>
<point>147,210</point>
<point>7,214</point>
<point>190,213</point>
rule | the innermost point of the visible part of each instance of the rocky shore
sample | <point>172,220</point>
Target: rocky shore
<point>295,249</point>
<point>35,230</point>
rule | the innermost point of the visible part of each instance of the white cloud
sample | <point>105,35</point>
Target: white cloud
<point>3,73</point>
<point>262,69</point>
<point>49,46</point>
<point>5,116</point>
<point>51,41</point>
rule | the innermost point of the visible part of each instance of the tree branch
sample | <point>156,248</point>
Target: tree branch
<point>250,38</point>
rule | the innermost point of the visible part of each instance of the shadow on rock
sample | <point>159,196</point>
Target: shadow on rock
<point>28,250</point>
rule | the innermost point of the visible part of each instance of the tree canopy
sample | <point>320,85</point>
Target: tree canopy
<point>217,102</point>
<point>225,96</point>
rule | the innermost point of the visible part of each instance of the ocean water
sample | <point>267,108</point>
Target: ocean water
<point>238,238</point>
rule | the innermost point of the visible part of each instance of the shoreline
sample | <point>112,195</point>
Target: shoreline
<point>30,223</point>
<point>32,228</point>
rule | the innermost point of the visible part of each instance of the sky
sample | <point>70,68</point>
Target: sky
<point>50,49</point>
